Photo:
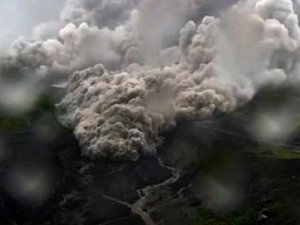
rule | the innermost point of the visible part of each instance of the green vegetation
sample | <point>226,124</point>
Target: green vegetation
<point>275,208</point>
<point>286,154</point>
<point>13,123</point>
<point>43,105</point>
<point>245,217</point>
<point>281,153</point>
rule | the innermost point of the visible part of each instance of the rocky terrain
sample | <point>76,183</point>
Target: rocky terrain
<point>206,172</point>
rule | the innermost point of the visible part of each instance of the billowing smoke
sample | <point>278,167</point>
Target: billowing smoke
<point>148,64</point>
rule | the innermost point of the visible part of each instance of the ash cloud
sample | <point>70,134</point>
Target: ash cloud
<point>148,64</point>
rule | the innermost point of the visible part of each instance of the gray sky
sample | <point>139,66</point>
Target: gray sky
<point>18,17</point>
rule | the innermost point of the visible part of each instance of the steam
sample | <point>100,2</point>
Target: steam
<point>144,65</point>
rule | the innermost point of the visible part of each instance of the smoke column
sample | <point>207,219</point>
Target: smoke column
<point>140,66</point>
